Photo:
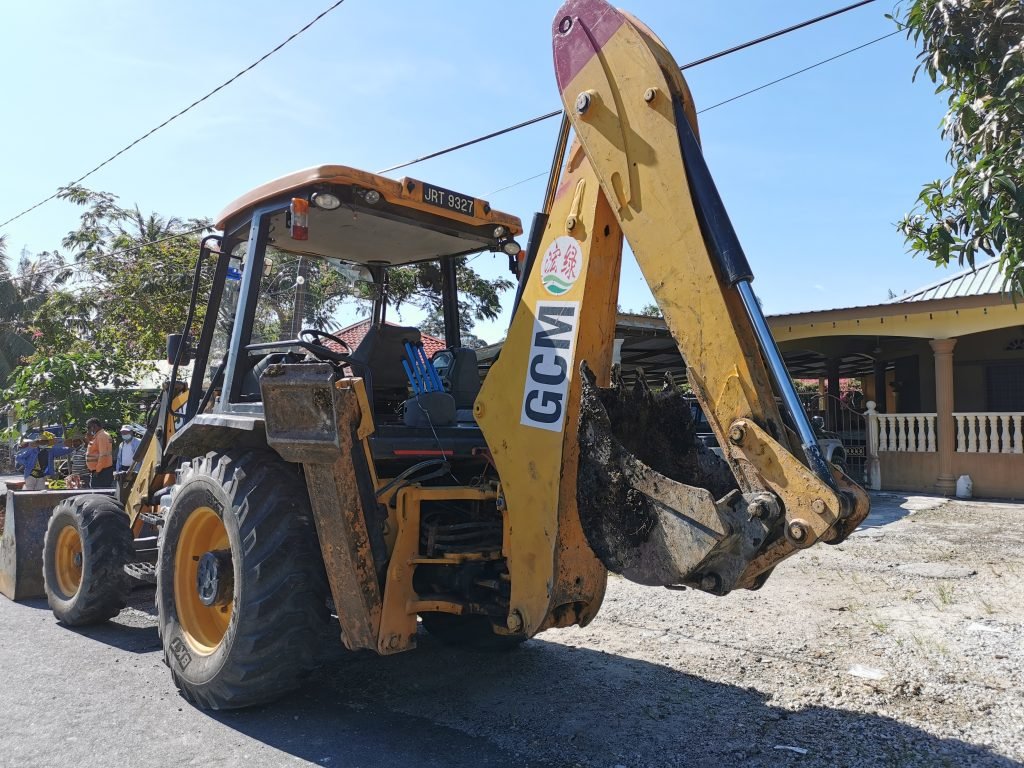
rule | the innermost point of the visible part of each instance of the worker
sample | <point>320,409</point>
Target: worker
<point>99,456</point>
<point>38,462</point>
<point>126,449</point>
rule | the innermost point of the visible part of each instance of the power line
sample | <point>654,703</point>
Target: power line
<point>95,256</point>
<point>801,71</point>
<point>503,131</point>
<point>737,96</point>
<point>175,116</point>
<point>521,181</point>
<point>704,60</point>
<point>773,35</point>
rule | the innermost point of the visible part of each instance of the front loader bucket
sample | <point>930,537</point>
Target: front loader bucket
<point>21,546</point>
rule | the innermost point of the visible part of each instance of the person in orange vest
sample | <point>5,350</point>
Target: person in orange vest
<point>99,456</point>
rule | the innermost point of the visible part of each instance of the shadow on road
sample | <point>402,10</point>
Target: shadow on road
<point>138,637</point>
<point>127,638</point>
<point>555,704</point>
<point>886,508</point>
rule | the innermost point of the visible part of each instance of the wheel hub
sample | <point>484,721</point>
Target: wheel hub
<point>215,581</point>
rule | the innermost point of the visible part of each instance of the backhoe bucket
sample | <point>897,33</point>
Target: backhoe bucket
<point>655,504</point>
<point>21,545</point>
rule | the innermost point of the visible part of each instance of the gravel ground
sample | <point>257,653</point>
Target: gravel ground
<point>904,646</point>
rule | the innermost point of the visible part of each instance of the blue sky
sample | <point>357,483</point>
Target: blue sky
<point>814,171</point>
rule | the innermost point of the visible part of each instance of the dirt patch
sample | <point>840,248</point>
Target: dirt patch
<point>938,645</point>
<point>841,659</point>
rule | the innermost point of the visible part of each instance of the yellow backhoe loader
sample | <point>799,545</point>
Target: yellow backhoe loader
<point>372,486</point>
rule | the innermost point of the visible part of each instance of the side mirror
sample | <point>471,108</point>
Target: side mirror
<point>174,341</point>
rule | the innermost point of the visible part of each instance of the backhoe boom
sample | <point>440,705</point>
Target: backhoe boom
<point>650,501</point>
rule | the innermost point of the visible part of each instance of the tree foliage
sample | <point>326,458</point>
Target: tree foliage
<point>70,387</point>
<point>78,322</point>
<point>974,51</point>
<point>97,309</point>
<point>420,286</point>
<point>23,290</point>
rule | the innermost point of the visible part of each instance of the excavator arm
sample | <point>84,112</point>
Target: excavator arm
<point>593,474</point>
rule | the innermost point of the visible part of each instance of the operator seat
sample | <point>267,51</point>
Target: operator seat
<point>457,368</point>
<point>382,351</point>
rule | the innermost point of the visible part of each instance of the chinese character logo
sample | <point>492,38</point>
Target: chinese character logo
<point>561,266</point>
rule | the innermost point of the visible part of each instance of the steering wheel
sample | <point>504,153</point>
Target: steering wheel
<point>311,340</point>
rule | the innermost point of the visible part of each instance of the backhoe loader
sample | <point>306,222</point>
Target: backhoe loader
<point>314,482</point>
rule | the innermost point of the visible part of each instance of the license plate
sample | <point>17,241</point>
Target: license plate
<point>445,198</point>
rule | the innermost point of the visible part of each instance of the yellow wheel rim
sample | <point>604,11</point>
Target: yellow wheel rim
<point>68,561</point>
<point>203,625</point>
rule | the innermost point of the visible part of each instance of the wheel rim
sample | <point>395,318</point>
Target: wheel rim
<point>68,561</point>
<point>204,626</point>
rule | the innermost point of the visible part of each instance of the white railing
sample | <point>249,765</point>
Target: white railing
<point>989,432</point>
<point>906,432</point>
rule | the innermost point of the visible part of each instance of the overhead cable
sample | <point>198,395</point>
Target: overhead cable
<point>737,96</point>
<point>557,112</point>
<point>175,116</point>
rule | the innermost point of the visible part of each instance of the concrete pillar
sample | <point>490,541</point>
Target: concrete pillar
<point>874,466</point>
<point>880,385</point>
<point>943,349</point>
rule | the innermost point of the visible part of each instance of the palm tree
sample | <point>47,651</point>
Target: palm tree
<point>13,344</point>
<point>22,292</point>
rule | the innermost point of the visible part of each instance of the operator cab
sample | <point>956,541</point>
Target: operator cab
<point>300,249</point>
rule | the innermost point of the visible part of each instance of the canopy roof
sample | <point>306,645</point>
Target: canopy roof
<point>380,220</point>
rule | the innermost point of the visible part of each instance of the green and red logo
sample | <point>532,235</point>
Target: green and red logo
<point>562,265</point>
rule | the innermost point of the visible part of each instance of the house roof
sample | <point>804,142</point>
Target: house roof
<point>353,334</point>
<point>977,281</point>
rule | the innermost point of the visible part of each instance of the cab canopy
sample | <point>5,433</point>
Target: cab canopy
<point>364,218</point>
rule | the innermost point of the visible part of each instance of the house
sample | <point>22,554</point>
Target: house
<point>943,374</point>
<point>353,334</point>
<point>943,367</point>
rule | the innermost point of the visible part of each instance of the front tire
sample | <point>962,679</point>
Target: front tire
<point>88,542</point>
<point>241,588</point>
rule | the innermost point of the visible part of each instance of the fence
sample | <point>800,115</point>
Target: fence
<point>989,432</point>
<point>975,432</point>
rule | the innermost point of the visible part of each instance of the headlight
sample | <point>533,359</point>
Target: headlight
<point>511,247</point>
<point>326,200</point>
<point>372,196</point>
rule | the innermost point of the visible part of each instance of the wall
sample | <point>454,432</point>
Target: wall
<point>909,471</point>
<point>995,475</point>
<point>970,357</point>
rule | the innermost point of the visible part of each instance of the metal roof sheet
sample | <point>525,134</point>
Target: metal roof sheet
<point>982,279</point>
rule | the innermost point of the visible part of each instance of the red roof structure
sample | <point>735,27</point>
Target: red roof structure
<point>353,334</point>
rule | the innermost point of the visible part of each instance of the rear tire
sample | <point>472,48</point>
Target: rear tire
<point>87,545</point>
<point>261,637</point>
<point>468,631</point>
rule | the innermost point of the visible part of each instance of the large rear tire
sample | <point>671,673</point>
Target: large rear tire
<point>88,542</point>
<point>241,588</point>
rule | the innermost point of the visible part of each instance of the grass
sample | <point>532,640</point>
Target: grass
<point>879,625</point>
<point>946,593</point>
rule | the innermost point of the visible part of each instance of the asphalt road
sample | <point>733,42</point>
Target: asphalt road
<point>103,697</point>
<point>661,678</point>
